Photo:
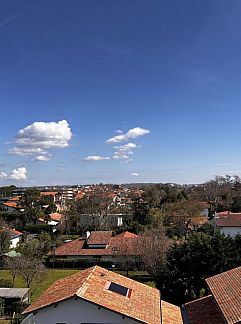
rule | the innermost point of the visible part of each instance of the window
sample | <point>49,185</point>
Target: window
<point>121,290</point>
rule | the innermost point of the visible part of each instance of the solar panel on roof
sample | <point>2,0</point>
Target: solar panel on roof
<point>118,289</point>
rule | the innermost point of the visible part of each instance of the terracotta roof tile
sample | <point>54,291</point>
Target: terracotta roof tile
<point>117,245</point>
<point>226,289</point>
<point>229,220</point>
<point>12,204</point>
<point>99,237</point>
<point>142,305</point>
<point>171,314</point>
<point>56,217</point>
<point>204,310</point>
<point>126,234</point>
<point>48,193</point>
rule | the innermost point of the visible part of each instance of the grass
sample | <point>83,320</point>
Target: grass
<point>55,274</point>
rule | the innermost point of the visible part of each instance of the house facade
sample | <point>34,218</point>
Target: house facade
<point>227,223</point>
<point>97,295</point>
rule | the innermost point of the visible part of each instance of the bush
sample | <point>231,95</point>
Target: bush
<point>35,229</point>
<point>76,263</point>
<point>18,318</point>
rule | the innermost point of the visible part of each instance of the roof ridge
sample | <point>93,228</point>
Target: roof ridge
<point>204,297</point>
<point>85,285</point>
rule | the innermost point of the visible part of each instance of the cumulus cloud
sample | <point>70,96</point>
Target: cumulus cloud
<point>38,138</point>
<point>131,134</point>
<point>96,158</point>
<point>135,174</point>
<point>124,151</point>
<point>3,175</point>
<point>19,174</point>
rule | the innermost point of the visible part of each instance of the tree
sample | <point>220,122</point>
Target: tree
<point>191,261</point>
<point>31,269</point>
<point>5,241</point>
<point>37,247</point>
<point>153,249</point>
<point>140,211</point>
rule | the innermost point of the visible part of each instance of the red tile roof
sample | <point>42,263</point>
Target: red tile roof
<point>99,237</point>
<point>143,304</point>
<point>171,314</point>
<point>204,310</point>
<point>12,204</point>
<point>126,234</point>
<point>12,231</point>
<point>117,245</point>
<point>226,289</point>
<point>57,217</point>
<point>48,193</point>
<point>229,220</point>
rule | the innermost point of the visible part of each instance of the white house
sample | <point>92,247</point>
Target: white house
<point>97,295</point>
<point>228,223</point>
<point>15,236</point>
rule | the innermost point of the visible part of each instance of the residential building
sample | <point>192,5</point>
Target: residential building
<point>222,305</point>
<point>227,223</point>
<point>97,295</point>
<point>100,245</point>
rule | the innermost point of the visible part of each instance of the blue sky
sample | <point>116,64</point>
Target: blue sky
<point>169,70</point>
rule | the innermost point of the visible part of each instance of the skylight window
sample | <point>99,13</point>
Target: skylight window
<point>116,288</point>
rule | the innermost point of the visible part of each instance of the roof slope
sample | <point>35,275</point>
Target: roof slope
<point>226,289</point>
<point>142,305</point>
<point>229,220</point>
<point>127,235</point>
<point>171,314</point>
<point>99,237</point>
<point>204,310</point>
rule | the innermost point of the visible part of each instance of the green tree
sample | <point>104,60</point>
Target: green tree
<point>190,262</point>
<point>5,241</point>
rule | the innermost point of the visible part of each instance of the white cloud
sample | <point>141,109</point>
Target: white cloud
<point>124,151</point>
<point>131,134</point>
<point>135,174</point>
<point>19,174</point>
<point>96,158</point>
<point>43,157</point>
<point>118,131</point>
<point>3,175</point>
<point>40,137</point>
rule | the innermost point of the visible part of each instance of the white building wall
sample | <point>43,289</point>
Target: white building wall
<point>232,231</point>
<point>14,242</point>
<point>77,311</point>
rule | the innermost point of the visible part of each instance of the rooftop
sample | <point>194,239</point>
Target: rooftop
<point>171,314</point>
<point>226,289</point>
<point>99,237</point>
<point>204,310</point>
<point>13,292</point>
<point>228,220</point>
<point>143,304</point>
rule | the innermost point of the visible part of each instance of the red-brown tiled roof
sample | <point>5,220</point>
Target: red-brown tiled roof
<point>204,310</point>
<point>226,289</point>
<point>126,234</point>
<point>143,304</point>
<point>57,217</point>
<point>116,246</point>
<point>99,237</point>
<point>229,220</point>
<point>48,193</point>
<point>12,204</point>
<point>12,231</point>
<point>171,314</point>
